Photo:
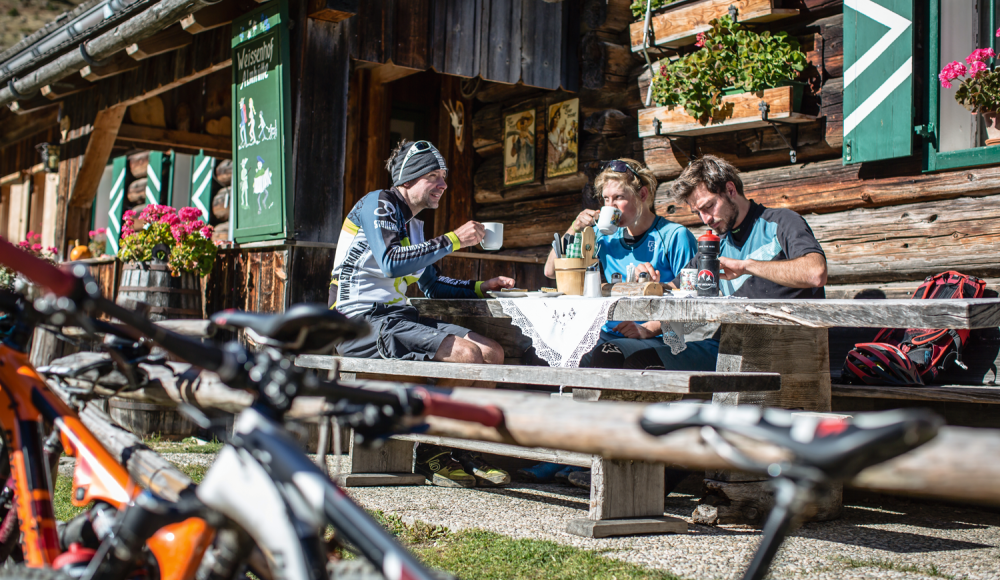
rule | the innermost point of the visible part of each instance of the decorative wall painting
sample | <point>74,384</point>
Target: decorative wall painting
<point>562,128</point>
<point>519,148</point>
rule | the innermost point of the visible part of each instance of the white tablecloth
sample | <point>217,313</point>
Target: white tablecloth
<point>562,329</point>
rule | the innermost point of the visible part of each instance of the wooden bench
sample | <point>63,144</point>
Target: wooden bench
<point>626,496</point>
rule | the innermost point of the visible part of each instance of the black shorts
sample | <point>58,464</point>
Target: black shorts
<point>399,332</point>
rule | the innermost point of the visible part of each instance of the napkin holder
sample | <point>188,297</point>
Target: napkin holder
<point>570,273</point>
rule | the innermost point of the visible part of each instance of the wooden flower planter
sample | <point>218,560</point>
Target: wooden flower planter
<point>675,26</point>
<point>742,111</point>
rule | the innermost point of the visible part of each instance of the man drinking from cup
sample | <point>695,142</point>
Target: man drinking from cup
<point>625,188</point>
<point>381,251</point>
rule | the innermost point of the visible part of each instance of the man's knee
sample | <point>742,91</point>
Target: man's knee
<point>491,349</point>
<point>456,349</point>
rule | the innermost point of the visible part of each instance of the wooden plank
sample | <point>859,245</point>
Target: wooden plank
<point>898,290</point>
<point>625,489</point>
<point>488,183</point>
<point>497,258</point>
<point>741,112</point>
<point>332,11</point>
<point>50,196</point>
<point>412,34</point>
<point>680,26</point>
<point>65,87</point>
<point>935,393</point>
<point>218,146</point>
<point>162,42</point>
<point>617,379</point>
<point>214,16</point>
<point>532,223</point>
<point>102,139</point>
<point>626,527</point>
<point>195,75</point>
<point>965,313</point>
<point>501,52</point>
<point>463,22</point>
<point>110,67</point>
<point>532,453</point>
<point>17,127</point>
<point>31,105</point>
<point>543,36</point>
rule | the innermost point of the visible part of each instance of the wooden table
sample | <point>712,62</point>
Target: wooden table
<point>788,337</point>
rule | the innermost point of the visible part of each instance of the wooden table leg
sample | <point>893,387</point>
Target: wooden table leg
<point>801,355</point>
<point>390,464</point>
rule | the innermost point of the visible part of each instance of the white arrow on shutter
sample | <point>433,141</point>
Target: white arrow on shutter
<point>201,183</point>
<point>119,167</point>
<point>878,83</point>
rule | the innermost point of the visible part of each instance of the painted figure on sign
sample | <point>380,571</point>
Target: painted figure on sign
<point>244,185</point>
<point>243,123</point>
<point>263,128</point>
<point>261,181</point>
<point>253,134</point>
<point>522,147</point>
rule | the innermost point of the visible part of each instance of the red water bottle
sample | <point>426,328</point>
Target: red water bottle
<point>707,282</point>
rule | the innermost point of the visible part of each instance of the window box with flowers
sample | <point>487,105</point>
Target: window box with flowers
<point>979,89</point>
<point>166,253</point>
<point>720,86</point>
<point>676,23</point>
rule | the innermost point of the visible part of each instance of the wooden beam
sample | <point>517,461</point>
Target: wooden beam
<point>216,145</point>
<point>32,105</point>
<point>162,42</point>
<point>178,82</point>
<point>102,139</point>
<point>212,16</point>
<point>14,127</point>
<point>112,66</point>
<point>332,10</point>
<point>388,72</point>
<point>65,87</point>
<point>49,207</point>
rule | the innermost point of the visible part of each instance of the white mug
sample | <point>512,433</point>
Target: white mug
<point>608,221</point>
<point>494,236</point>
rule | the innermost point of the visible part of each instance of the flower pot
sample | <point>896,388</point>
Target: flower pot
<point>992,130</point>
<point>798,89</point>
<point>168,296</point>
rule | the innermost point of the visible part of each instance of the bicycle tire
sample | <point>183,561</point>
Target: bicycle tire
<point>25,573</point>
<point>361,569</point>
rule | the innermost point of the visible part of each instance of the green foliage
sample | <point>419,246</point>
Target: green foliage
<point>980,93</point>
<point>728,55</point>
<point>639,6</point>
<point>162,233</point>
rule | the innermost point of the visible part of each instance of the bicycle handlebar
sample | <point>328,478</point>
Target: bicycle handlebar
<point>37,270</point>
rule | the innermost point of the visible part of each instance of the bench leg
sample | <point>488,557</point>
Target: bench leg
<point>801,355</point>
<point>390,464</point>
<point>626,498</point>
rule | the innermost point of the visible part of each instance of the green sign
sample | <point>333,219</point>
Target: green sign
<point>261,122</point>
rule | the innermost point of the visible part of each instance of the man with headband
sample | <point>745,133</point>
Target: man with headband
<point>381,251</point>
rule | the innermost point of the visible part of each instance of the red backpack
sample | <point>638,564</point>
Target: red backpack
<point>930,350</point>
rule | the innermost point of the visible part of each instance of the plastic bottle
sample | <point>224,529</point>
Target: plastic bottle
<point>707,282</point>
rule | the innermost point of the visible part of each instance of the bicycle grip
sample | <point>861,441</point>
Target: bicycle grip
<point>442,406</point>
<point>37,270</point>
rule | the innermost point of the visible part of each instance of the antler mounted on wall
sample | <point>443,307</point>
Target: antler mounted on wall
<point>457,114</point>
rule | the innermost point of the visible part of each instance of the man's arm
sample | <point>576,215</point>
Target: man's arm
<point>808,271</point>
<point>434,285</point>
<point>382,228</point>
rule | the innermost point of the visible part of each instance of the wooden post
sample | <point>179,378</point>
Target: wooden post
<point>802,356</point>
<point>390,464</point>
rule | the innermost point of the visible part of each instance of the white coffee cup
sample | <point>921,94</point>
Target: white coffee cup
<point>608,221</point>
<point>494,236</point>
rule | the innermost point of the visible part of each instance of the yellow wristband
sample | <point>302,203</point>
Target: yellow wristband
<point>455,243</point>
<point>479,289</point>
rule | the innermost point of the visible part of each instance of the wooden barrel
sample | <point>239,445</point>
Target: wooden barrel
<point>168,297</point>
<point>149,419</point>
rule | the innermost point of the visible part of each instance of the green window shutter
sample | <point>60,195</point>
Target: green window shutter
<point>119,169</point>
<point>878,80</point>
<point>158,174</point>
<point>202,170</point>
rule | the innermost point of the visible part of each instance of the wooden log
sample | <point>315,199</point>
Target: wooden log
<point>224,172</point>
<point>65,87</point>
<point>489,188</point>
<point>220,204</point>
<point>939,394</point>
<point>532,223</point>
<point>487,126</point>
<point>95,159</point>
<point>136,192</point>
<point>221,232</point>
<point>138,163</point>
<point>168,40</point>
<point>832,31</point>
<point>602,62</point>
<point>33,104</point>
<point>910,241</point>
<point>212,16</point>
<point>608,16</point>
<point>609,122</point>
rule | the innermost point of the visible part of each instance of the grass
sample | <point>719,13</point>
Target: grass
<point>188,445</point>
<point>469,554</point>
<point>886,564</point>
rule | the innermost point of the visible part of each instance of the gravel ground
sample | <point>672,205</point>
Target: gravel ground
<point>876,537</point>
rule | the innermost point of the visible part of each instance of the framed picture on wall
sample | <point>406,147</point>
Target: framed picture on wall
<point>562,144</point>
<point>519,148</point>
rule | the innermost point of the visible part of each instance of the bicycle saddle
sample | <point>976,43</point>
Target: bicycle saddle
<point>838,447</point>
<point>300,329</point>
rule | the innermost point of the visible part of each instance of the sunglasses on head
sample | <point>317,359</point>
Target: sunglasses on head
<point>619,166</point>
<point>418,147</point>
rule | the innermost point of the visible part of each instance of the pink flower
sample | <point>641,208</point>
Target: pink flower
<point>207,231</point>
<point>663,70</point>
<point>23,244</point>
<point>129,214</point>
<point>951,72</point>
<point>977,67</point>
<point>190,213</point>
<point>91,233</point>
<point>170,219</point>
<point>36,247</point>
<point>52,250</point>
<point>177,231</point>
<point>980,54</point>
<point>101,230</point>
<point>998,32</point>
<point>701,40</point>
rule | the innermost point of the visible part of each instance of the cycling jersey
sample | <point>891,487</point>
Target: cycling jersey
<point>381,251</point>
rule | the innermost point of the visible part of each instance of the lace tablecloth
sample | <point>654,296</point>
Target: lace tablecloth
<point>562,329</point>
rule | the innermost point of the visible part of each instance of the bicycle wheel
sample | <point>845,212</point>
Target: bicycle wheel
<point>25,573</point>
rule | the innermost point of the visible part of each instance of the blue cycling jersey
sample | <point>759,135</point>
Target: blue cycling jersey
<point>665,245</point>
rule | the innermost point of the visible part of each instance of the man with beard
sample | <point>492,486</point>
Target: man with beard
<point>763,253</point>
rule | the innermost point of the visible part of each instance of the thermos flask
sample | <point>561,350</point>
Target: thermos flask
<point>707,282</point>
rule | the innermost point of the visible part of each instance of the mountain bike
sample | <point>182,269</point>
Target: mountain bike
<point>262,486</point>
<point>37,428</point>
<point>823,451</point>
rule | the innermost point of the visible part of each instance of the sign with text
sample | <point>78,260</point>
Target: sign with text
<point>261,124</point>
